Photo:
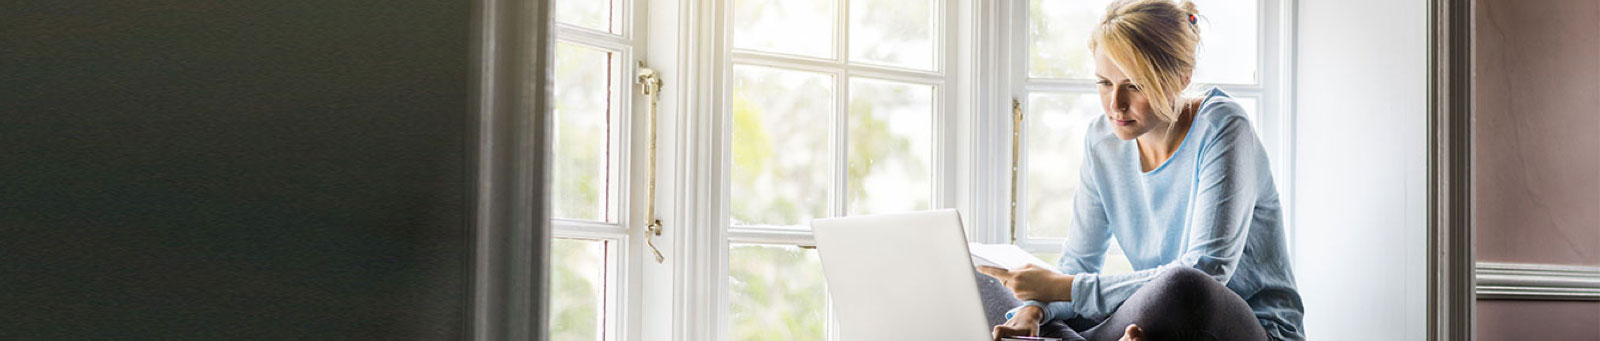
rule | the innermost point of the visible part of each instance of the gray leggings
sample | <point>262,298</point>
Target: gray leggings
<point>1178,304</point>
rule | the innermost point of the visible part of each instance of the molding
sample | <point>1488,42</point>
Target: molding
<point>1516,281</point>
<point>1449,249</point>
<point>510,221</point>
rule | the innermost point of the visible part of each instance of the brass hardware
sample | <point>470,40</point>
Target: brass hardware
<point>650,83</point>
<point>1016,152</point>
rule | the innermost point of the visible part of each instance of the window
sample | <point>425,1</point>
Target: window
<point>589,178</point>
<point>778,112</point>
<point>1055,86</point>
<point>834,110</point>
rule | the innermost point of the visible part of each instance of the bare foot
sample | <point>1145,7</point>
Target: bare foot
<point>1133,333</point>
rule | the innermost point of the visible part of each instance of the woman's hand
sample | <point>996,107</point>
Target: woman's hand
<point>1033,282</point>
<point>1024,323</point>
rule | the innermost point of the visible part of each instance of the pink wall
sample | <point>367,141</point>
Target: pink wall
<point>1538,320</point>
<point>1536,159</point>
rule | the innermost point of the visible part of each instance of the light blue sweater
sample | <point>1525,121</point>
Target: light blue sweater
<point>1212,206</point>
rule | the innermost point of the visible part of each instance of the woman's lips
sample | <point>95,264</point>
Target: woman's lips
<point>1122,123</point>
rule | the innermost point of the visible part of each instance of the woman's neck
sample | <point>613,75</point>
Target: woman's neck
<point>1158,145</point>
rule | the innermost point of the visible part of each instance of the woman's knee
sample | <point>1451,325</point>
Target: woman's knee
<point>1182,279</point>
<point>1181,289</point>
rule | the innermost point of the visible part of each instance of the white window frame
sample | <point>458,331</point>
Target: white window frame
<point>627,174</point>
<point>1273,123</point>
<point>686,296</point>
<point>841,69</point>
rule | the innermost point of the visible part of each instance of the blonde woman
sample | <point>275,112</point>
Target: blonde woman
<point>1183,184</point>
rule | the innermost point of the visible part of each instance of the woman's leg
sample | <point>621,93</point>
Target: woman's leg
<point>997,300</point>
<point>1183,304</point>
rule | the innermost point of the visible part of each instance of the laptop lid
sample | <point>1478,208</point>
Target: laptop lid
<point>903,276</point>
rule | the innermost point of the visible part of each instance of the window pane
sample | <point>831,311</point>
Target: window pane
<point>593,14</point>
<point>775,293</point>
<point>781,164</point>
<point>583,89</point>
<point>892,32</point>
<point>1227,53</point>
<point>577,289</point>
<point>1058,37</point>
<point>1056,123</point>
<point>891,136</point>
<point>802,27</point>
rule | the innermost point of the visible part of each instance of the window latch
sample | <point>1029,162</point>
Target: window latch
<point>1016,157</point>
<point>650,83</point>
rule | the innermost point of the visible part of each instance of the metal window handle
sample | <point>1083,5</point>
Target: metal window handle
<point>650,83</point>
<point>1016,153</point>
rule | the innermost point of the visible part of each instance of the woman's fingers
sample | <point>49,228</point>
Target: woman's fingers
<point>1008,330</point>
<point>999,273</point>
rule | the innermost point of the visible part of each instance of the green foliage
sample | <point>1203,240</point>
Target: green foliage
<point>870,140</point>
<point>575,299</point>
<point>775,293</point>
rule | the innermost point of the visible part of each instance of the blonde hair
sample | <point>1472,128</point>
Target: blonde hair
<point>1153,42</point>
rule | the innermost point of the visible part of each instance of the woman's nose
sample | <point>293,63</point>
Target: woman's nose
<point>1119,99</point>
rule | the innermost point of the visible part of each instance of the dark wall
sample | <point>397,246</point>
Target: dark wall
<point>253,169</point>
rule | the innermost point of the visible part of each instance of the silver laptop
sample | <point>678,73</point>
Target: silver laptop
<point>904,276</point>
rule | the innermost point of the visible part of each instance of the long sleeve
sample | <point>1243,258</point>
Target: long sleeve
<point>1084,251</point>
<point>1087,240</point>
<point>1228,180</point>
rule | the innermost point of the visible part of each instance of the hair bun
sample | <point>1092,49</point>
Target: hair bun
<point>1188,6</point>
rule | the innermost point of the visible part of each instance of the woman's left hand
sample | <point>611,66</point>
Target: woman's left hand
<point>1033,282</point>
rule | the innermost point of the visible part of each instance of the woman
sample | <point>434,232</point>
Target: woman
<point>1184,186</point>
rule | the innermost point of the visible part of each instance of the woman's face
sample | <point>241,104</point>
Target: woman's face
<point>1125,106</point>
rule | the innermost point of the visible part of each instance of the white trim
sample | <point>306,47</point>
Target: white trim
<point>776,236</point>
<point>1537,281</point>
<point>564,228</point>
<point>1288,118</point>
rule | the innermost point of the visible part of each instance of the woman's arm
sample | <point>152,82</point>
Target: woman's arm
<point>1231,175</point>
<point>1087,240</point>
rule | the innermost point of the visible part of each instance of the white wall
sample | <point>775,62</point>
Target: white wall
<point>1360,169</point>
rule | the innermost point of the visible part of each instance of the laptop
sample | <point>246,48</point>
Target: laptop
<point>903,276</point>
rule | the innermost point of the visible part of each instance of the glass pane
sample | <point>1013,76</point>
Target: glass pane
<point>593,14</point>
<point>1228,47</point>
<point>579,182</point>
<point>801,27</point>
<point>892,32</point>
<point>775,293</point>
<point>781,164</point>
<point>577,289</point>
<point>1056,123</point>
<point>1058,37</point>
<point>891,146</point>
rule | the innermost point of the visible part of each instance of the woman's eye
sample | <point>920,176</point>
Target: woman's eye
<point>1133,87</point>
<point>1103,83</point>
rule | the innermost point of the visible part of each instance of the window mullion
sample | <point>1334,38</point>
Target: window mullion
<point>839,199</point>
